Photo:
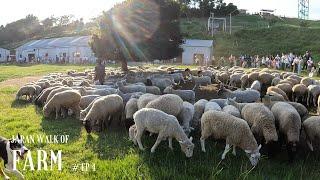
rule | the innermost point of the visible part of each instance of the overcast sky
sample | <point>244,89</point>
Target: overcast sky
<point>12,10</point>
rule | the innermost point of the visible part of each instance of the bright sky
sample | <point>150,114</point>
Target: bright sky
<point>288,8</point>
<point>16,9</point>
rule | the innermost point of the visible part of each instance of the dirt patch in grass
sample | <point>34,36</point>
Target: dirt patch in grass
<point>19,81</point>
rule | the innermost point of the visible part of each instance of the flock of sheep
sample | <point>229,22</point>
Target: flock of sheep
<point>268,107</point>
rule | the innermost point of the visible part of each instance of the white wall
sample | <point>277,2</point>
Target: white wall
<point>3,54</point>
<point>188,53</point>
<point>52,52</point>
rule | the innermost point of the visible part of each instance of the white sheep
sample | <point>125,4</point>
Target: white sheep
<point>186,116</point>
<point>68,99</point>
<point>234,130</point>
<point>110,106</point>
<point>165,125</point>
<point>232,110</point>
<point>212,106</point>
<point>186,95</point>
<point>168,103</point>
<point>55,91</point>
<point>145,99</point>
<point>131,88</point>
<point>131,108</point>
<point>199,107</point>
<point>256,85</point>
<point>86,100</point>
<point>248,95</point>
<point>29,91</point>
<point>311,127</point>
<point>200,81</point>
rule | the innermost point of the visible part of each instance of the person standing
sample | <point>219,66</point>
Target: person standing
<point>100,72</point>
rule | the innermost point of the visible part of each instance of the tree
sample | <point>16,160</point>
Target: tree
<point>139,30</point>
<point>49,22</point>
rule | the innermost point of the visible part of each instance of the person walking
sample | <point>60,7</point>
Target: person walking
<point>100,72</point>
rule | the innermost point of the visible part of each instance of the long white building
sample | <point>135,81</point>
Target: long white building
<point>4,55</point>
<point>65,49</point>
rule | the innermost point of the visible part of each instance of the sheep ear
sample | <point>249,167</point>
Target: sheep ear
<point>259,147</point>
<point>247,151</point>
<point>191,138</point>
<point>18,136</point>
<point>181,142</point>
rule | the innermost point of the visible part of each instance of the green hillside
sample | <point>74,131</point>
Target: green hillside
<point>252,35</point>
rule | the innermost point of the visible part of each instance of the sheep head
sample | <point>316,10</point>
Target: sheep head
<point>254,155</point>
<point>187,147</point>
<point>87,126</point>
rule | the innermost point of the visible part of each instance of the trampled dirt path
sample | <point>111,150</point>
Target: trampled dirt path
<point>19,81</point>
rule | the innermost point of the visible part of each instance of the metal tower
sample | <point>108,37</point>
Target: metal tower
<point>303,9</point>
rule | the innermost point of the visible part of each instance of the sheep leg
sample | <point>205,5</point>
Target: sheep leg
<point>170,143</point>
<point>156,144</point>
<point>202,141</point>
<point>308,99</point>
<point>57,112</point>
<point>226,150</point>
<point>3,174</point>
<point>310,145</point>
<point>234,151</point>
<point>138,138</point>
<point>314,101</point>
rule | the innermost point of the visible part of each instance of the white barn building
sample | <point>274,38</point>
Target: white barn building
<point>4,55</point>
<point>65,49</point>
<point>197,51</point>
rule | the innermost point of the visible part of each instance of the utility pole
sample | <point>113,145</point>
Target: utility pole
<point>231,20</point>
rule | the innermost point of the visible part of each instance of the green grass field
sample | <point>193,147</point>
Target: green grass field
<point>116,157</point>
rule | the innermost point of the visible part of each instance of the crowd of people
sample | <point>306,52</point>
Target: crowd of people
<point>286,62</point>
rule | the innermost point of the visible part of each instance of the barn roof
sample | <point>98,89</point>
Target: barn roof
<point>77,41</point>
<point>198,43</point>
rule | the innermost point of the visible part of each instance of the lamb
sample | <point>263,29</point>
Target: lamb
<point>289,122</point>
<point>200,81</point>
<point>28,90</point>
<point>168,103</point>
<point>186,116</point>
<point>110,106</point>
<point>232,110</point>
<point>186,95</point>
<point>234,130</point>
<point>311,127</point>
<point>130,108</point>
<point>279,91</point>
<point>86,100</point>
<point>42,97</point>
<point>313,94</point>
<point>131,88</point>
<point>256,85</point>
<point>248,95</point>
<point>166,126</point>
<point>199,107</point>
<point>212,106</point>
<point>299,91</point>
<point>66,99</point>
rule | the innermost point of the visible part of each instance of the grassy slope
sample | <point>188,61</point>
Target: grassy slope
<point>117,158</point>
<point>251,36</point>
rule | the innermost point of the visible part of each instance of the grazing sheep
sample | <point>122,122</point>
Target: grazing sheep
<point>232,110</point>
<point>200,81</point>
<point>265,78</point>
<point>222,102</point>
<point>275,96</point>
<point>234,130</point>
<point>145,99</point>
<point>212,106</point>
<point>165,125</point>
<point>279,91</point>
<point>153,90</point>
<point>289,122</point>
<point>299,92</point>
<point>42,97</point>
<point>55,91</point>
<point>86,100</point>
<point>186,95</point>
<point>313,94</point>
<point>28,90</point>
<point>186,116</point>
<point>68,99</point>
<point>131,108</point>
<point>248,95</point>
<point>131,88</point>
<point>286,87</point>
<point>275,81</point>
<point>110,106</point>
<point>168,103</point>
<point>256,85</point>
<point>311,127</point>
<point>307,81</point>
<point>199,107</point>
